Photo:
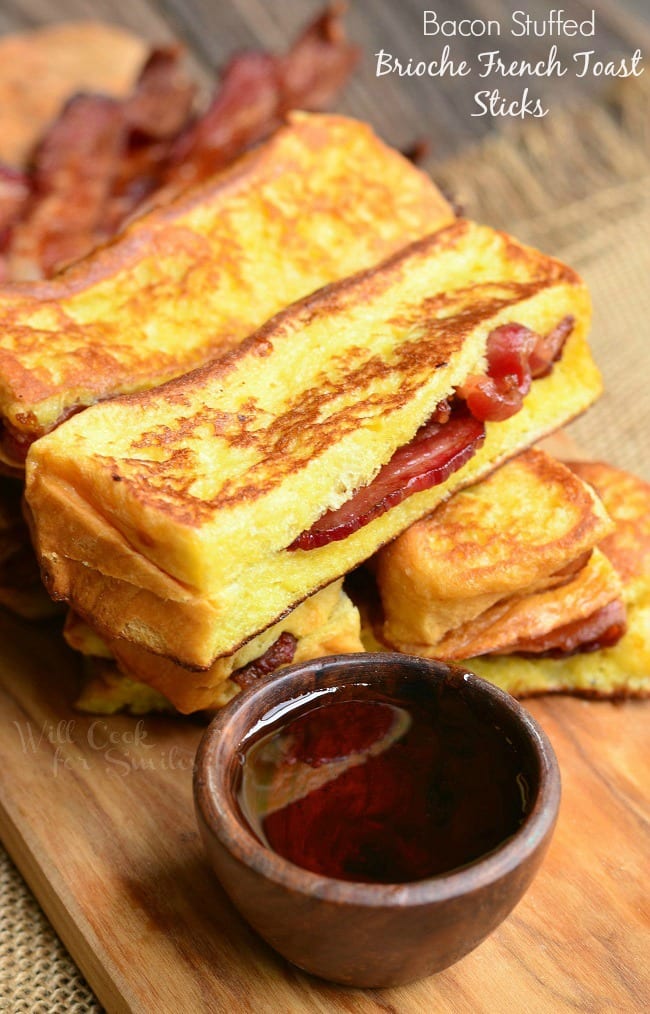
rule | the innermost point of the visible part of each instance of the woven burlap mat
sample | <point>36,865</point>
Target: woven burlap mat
<point>578,186</point>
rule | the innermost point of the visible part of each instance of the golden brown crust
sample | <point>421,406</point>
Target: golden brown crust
<point>326,623</point>
<point>528,617</point>
<point>310,379</point>
<point>189,281</point>
<point>512,534</point>
<point>187,630</point>
<point>620,671</point>
<point>627,500</point>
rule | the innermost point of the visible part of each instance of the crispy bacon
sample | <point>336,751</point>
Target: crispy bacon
<point>244,110</point>
<point>515,356</point>
<point>602,629</point>
<point>256,91</point>
<point>157,110</point>
<point>280,653</point>
<point>499,393</point>
<point>15,188</point>
<point>318,64</point>
<point>436,451</point>
<point>72,172</point>
<point>548,348</point>
<point>104,160</point>
<point>162,100</point>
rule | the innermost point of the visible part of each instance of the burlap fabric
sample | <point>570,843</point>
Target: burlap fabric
<point>578,186</point>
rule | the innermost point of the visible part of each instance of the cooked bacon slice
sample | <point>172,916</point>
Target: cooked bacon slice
<point>602,629</point>
<point>244,110</point>
<point>162,100</point>
<point>15,188</point>
<point>73,169</point>
<point>256,91</point>
<point>280,653</point>
<point>318,64</point>
<point>157,110</point>
<point>104,160</point>
<point>435,452</point>
<point>499,393</point>
<point>548,348</point>
<point>515,356</point>
<point>96,163</point>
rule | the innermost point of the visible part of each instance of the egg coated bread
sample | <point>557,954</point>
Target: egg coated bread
<point>321,199</point>
<point>166,517</point>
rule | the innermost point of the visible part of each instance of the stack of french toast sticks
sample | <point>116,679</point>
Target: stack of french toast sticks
<point>291,413</point>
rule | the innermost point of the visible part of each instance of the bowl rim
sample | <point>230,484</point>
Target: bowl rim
<point>222,819</point>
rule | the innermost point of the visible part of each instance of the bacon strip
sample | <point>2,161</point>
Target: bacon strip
<point>157,110</point>
<point>72,172</point>
<point>162,100</point>
<point>318,64</point>
<point>436,451</point>
<point>548,348</point>
<point>515,357</point>
<point>256,91</point>
<point>244,110</point>
<point>602,629</point>
<point>15,190</point>
<point>102,160</point>
<point>280,653</point>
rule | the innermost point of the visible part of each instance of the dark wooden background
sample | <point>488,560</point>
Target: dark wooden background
<point>401,109</point>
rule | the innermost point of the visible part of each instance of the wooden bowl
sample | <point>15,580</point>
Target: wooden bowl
<point>362,934</point>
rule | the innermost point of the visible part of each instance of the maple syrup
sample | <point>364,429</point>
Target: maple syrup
<point>382,784</point>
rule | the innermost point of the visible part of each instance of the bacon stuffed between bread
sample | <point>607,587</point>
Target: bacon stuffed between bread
<point>321,199</point>
<point>156,516</point>
<point>327,623</point>
<point>505,560</point>
<point>621,669</point>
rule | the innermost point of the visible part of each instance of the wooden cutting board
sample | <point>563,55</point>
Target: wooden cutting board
<point>97,813</point>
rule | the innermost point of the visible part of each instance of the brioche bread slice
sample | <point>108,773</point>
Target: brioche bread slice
<point>165,518</point>
<point>321,199</point>
<point>622,669</point>
<point>514,534</point>
<point>326,623</point>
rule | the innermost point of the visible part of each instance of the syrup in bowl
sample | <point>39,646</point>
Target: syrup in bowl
<point>381,783</point>
<point>375,816</point>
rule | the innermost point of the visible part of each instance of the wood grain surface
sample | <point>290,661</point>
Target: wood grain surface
<point>98,816</point>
